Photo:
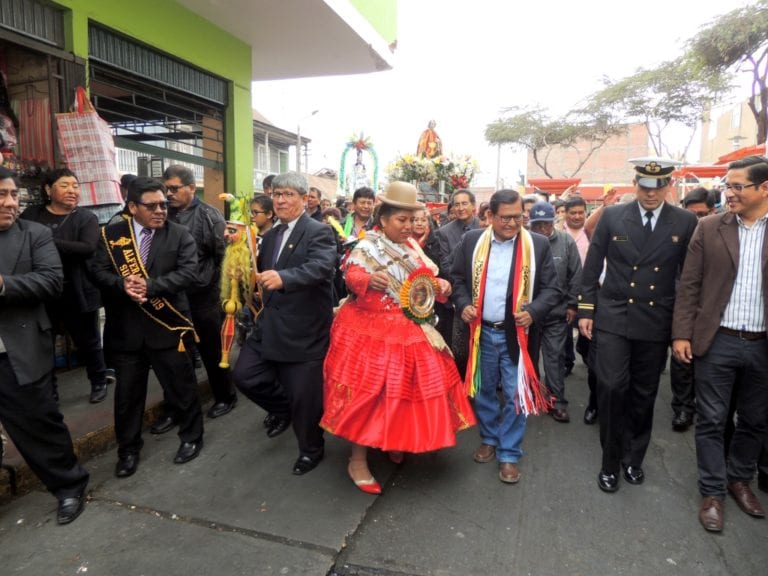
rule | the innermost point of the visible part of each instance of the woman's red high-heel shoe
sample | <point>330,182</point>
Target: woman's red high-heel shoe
<point>368,485</point>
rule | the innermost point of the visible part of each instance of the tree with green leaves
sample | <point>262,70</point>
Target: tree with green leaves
<point>677,92</point>
<point>534,130</point>
<point>738,42</point>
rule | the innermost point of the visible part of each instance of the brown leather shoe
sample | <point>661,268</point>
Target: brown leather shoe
<point>746,499</point>
<point>508,473</point>
<point>484,454</point>
<point>711,514</point>
<point>560,415</point>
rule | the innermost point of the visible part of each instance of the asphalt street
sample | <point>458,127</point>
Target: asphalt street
<point>238,510</point>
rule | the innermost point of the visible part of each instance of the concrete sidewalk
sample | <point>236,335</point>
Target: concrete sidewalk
<point>238,510</point>
<point>91,426</point>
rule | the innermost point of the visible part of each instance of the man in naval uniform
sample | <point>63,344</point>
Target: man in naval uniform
<point>642,245</point>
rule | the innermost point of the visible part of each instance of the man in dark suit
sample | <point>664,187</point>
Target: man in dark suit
<point>280,366</point>
<point>143,265</point>
<point>30,274</point>
<point>206,225</point>
<point>644,245</point>
<point>701,202</point>
<point>484,271</point>
<point>720,320</point>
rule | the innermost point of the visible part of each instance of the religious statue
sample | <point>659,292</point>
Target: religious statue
<point>430,145</point>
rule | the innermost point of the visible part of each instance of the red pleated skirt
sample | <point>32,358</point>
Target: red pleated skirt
<point>387,387</point>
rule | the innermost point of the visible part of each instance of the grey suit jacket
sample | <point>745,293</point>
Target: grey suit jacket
<point>707,281</point>
<point>32,274</point>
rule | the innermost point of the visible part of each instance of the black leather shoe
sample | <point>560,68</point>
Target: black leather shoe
<point>162,425</point>
<point>634,474</point>
<point>306,464</point>
<point>70,508</point>
<point>188,451</point>
<point>127,465</point>
<point>221,408</point>
<point>278,426</point>
<point>682,421</point>
<point>269,420</point>
<point>590,415</point>
<point>607,481</point>
<point>98,393</point>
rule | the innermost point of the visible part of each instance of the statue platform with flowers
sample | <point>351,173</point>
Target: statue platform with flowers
<point>436,178</point>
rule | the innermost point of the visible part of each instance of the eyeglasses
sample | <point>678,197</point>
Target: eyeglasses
<point>738,187</point>
<point>290,195</point>
<point>152,206</point>
<point>174,189</point>
<point>254,212</point>
<point>508,219</point>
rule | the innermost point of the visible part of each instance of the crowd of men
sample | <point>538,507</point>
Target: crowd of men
<point>633,277</point>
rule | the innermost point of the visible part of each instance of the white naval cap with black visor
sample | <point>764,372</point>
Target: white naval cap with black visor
<point>652,172</point>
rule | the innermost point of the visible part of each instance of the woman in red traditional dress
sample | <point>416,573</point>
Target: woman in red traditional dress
<point>390,380</point>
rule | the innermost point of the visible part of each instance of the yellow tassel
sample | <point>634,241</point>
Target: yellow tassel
<point>181,347</point>
<point>336,226</point>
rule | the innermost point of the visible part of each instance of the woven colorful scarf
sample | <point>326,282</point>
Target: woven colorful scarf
<point>532,396</point>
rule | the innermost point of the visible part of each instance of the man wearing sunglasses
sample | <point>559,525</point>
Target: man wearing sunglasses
<point>720,319</point>
<point>143,266</point>
<point>642,246</point>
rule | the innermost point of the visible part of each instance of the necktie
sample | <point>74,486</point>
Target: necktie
<point>648,228</point>
<point>279,231</point>
<point>145,243</point>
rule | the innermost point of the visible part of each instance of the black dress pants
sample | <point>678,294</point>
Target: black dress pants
<point>587,350</point>
<point>681,380</point>
<point>285,389</point>
<point>176,375</point>
<point>83,327</point>
<point>207,319</point>
<point>33,421</point>
<point>628,373</point>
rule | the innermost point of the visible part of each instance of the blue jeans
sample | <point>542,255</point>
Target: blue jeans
<point>501,427</point>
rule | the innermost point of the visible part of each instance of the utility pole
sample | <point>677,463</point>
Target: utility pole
<point>298,139</point>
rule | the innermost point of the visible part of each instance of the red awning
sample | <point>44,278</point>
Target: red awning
<point>758,150</point>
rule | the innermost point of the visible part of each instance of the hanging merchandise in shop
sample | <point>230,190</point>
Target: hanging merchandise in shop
<point>88,148</point>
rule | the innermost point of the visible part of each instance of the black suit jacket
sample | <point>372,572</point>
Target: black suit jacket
<point>172,267</point>
<point>546,289</point>
<point>448,237</point>
<point>638,293</point>
<point>32,274</point>
<point>296,321</point>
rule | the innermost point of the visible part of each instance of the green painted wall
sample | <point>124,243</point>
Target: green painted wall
<point>382,14</point>
<point>169,27</point>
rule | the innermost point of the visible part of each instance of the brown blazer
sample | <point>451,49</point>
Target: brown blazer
<point>707,280</point>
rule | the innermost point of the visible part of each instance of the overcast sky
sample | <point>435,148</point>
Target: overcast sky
<point>460,62</point>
